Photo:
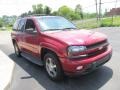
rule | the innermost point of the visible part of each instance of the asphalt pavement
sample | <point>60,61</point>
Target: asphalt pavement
<point>28,76</point>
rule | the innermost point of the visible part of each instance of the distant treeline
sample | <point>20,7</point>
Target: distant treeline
<point>67,12</point>
<point>7,20</point>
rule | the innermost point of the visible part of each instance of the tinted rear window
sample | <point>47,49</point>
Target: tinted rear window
<point>15,26</point>
<point>21,25</point>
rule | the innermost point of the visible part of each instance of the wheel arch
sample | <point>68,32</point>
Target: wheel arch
<point>45,50</point>
<point>13,41</point>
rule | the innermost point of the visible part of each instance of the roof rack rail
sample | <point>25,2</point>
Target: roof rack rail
<point>38,15</point>
<point>34,15</point>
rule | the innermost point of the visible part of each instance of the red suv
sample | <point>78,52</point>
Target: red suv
<point>56,44</point>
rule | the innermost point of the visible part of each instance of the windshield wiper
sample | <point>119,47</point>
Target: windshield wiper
<point>51,29</point>
<point>68,28</point>
<point>58,29</point>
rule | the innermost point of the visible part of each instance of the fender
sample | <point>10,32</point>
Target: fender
<point>60,52</point>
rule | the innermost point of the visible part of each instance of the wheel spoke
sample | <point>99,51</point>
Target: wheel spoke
<point>51,67</point>
<point>54,66</point>
<point>53,72</point>
<point>50,61</point>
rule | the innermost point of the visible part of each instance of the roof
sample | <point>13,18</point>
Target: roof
<point>36,15</point>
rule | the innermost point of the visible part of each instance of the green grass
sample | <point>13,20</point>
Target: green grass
<point>87,24</point>
<point>92,23</point>
<point>7,29</point>
<point>107,22</point>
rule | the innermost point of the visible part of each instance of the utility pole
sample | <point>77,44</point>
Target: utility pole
<point>114,12</point>
<point>96,10</point>
<point>99,10</point>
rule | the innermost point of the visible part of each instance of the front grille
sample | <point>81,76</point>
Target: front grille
<point>93,50</point>
<point>97,52</point>
<point>97,48</point>
<point>102,43</point>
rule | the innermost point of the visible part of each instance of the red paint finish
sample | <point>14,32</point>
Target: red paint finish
<point>58,42</point>
<point>77,37</point>
<point>71,65</point>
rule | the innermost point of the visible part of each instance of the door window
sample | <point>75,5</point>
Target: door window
<point>30,27</point>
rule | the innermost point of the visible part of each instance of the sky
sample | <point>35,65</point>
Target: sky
<point>16,7</point>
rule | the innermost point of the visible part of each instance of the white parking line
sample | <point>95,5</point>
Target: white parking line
<point>6,69</point>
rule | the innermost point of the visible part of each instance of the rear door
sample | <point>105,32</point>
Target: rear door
<point>18,29</point>
<point>21,28</point>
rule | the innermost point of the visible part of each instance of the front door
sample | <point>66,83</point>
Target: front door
<point>31,38</point>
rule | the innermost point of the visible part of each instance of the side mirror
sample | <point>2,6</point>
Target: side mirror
<point>31,31</point>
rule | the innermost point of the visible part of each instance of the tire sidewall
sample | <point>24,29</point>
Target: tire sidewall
<point>17,52</point>
<point>59,74</point>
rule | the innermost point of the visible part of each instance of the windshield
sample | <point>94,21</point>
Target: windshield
<point>55,23</point>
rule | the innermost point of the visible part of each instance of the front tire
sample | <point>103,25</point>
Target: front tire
<point>17,50</point>
<point>53,67</point>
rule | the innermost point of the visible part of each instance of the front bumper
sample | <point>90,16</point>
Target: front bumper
<point>88,65</point>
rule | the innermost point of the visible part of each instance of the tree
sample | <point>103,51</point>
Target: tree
<point>24,14</point>
<point>47,10</point>
<point>55,13</point>
<point>64,11</point>
<point>1,24</point>
<point>12,20</point>
<point>79,11</point>
<point>29,12</point>
<point>68,13</point>
<point>34,9</point>
<point>7,20</point>
<point>37,9</point>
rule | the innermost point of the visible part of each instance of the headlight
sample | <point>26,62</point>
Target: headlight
<point>75,50</point>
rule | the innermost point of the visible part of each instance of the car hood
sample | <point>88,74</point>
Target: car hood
<point>77,37</point>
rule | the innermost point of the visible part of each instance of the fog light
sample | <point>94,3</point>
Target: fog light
<point>79,68</point>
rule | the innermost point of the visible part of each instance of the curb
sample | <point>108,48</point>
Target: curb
<point>6,70</point>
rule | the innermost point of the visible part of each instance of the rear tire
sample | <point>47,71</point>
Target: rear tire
<point>17,50</point>
<point>53,67</point>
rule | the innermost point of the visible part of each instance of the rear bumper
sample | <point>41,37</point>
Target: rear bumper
<point>86,65</point>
